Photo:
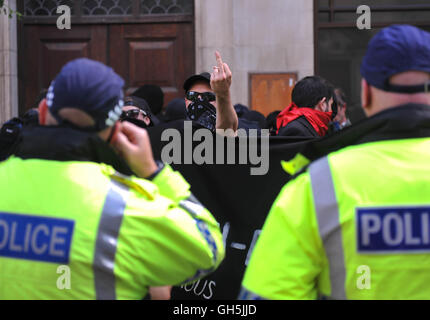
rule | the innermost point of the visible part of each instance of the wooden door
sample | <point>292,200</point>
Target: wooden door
<point>271,92</point>
<point>159,54</point>
<point>46,50</point>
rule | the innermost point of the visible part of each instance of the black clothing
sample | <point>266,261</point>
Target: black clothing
<point>255,116</point>
<point>298,128</point>
<point>248,125</point>
<point>67,144</point>
<point>9,137</point>
<point>175,110</point>
<point>402,122</point>
<point>259,192</point>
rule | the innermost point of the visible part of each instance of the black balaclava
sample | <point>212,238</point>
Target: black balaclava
<point>204,113</point>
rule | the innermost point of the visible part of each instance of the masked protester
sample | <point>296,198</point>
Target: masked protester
<point>207,98</point>
<point>136,111</point>
<point>200,101</point>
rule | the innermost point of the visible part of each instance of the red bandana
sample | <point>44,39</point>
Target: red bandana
<point>318,119</point>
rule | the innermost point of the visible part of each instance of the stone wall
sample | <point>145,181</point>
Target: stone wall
<point>8,66</point>
<point>255,36</point>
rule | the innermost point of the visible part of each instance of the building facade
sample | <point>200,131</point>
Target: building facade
<point>268,45</point>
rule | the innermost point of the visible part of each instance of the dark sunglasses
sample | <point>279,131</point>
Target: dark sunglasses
<point>205,96</point>
<point>134,113</point>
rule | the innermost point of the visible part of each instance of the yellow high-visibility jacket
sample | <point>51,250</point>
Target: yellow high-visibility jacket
<point>80,230</point>
<point>355,225</point>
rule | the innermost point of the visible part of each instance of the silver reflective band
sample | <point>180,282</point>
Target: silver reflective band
<point>193,206</point>
<point>327,211</point>
<point>196,210</point>
<point>193,199</point>
<point>107,239</point>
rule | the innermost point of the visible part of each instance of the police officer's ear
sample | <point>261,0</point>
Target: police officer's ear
<point>45,117</point>
<point>43,110</point>
<point>366,97</point>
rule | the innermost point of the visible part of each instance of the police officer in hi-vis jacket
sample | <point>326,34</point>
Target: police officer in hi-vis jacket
<point>354,223</point>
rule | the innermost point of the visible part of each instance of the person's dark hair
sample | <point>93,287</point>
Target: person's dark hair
<point>310,90</point>
<point>271,122</point>
<point>153,95</point>
<point>175,110</point>
<point>255,116</point>
<point>340,96</point>
<point>31,118</point>
<point>240,109</point>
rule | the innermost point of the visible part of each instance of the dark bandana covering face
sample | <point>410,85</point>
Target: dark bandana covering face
<point>203,113</point>
<point>137,122</point>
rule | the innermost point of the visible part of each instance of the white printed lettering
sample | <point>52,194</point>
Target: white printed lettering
<point>398,229</point>
<point>39,250</point>
<point>57,240</point>
<point>12,245</point>
<point>5,227</point>
<point>409,237</point>
<point>371,224</point>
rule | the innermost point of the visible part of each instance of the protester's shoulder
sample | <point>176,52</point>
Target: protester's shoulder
<point>298,127</point>
<point>248,124</point>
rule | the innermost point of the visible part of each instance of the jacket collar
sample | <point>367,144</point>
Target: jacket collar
<point>67,144</point>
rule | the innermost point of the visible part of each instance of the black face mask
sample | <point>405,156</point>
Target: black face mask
<point>137,122</point>
<point>204,113</point>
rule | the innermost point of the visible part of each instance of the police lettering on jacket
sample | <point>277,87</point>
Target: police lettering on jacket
<point>395,229</point>
<point>35,238</point>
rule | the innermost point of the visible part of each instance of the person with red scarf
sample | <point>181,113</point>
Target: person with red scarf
<point>312,110</point>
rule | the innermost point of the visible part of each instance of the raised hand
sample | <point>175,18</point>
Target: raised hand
<point>221,77</point>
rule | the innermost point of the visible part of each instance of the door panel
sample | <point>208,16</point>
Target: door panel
<point>48,49</point>
<point>271,92</point>
<point>159,54</point>
<point>146,61</point>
